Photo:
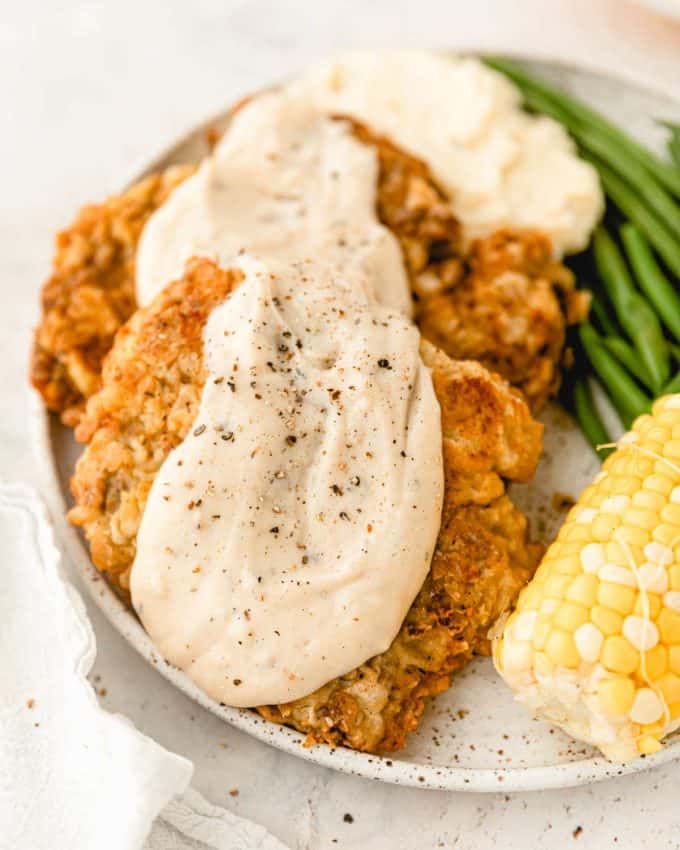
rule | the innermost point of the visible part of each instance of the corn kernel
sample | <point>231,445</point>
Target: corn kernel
<point>674,658</point>
<point>669,685</point>
<point>542,632</point>
<point>543,666</point>
<point>653,577</point>
<point>615,552</point>
<point>649,500</point>
<point>674,577</point>
<point>575,532</point>
<point>661,405</point>
<point>625,485</point>
<point>616,695</point>
<point>569,617</point>
<point>523,624</point>
<point>671,513</point>
<point>666,534</point>
<point>603,526</point>
<point>607,621</point>
<point>674,710</point>
<point>632,535</point>
<point>657,434</point>
<point>568,566</point>
<point>647,745</point>
<point>556,586</point>
<point>643,423</point>
<point>561,649</point>
<point>592,557</point>
<point>516,655</point>
<point>615,504</point>
<point>588,640</point>
<point>653,603</point>
<point>637,465</point>
<point>549,606</point>
<point>658,484</point>
<point>566,549</point>
<point>531,597</point>
<point>672,450</point>
<point>616,596</point>
<point>647,707</point>
<point>583,590</point>
<point>619,656</point>
<point>668,418</point>
<point>640,518</point>
<point>655,663</point>
<point>669,626</point>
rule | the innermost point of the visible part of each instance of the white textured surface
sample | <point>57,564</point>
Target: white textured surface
<point>75,775</point>
<point>91,89</point>
<point>56,739</point>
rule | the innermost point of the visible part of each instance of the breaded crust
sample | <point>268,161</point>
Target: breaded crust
<point>150,393</point>
<point>509,314</point>
<point>91,292</point>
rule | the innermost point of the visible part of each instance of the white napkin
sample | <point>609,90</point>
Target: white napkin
<point>71,774</point>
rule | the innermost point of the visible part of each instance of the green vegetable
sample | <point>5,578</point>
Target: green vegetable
<point>627,355</point>
<point>674,149</point>
<point>636,316</point>
<point>598,309</point>
<point>652,281</point>
<point>589,419</point>
<point>675,351</point>
<point>628,399</point>
<point>646,221</point>
<point>652,194</point>
<point>580,114</point>
<point>673,141</point>
<point>673,386</point>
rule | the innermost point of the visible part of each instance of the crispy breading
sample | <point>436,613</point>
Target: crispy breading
<point>152,382</point>
<point>510,312</point>
<point>91,292</point>
<point>504,307</point>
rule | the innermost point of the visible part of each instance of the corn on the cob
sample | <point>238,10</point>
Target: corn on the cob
<point>594,642</point>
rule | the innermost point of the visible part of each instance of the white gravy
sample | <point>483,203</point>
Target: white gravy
<point>285,539</point>
<point>285,183</point>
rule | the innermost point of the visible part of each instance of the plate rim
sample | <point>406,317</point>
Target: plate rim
<point>392,770</point>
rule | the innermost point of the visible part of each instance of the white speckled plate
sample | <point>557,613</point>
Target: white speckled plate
<point>474,737</point>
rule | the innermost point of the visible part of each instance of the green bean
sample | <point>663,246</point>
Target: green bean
<point>628,399</point>
<point>654,195</point>
<point>647,222</point>
<point>664,172</point>
<point>673,386</point>
<point>651,280</point>
<point>598,309</point>
<point>589,419</point>
<point>674,149</point>
<point>627,355</point>
<point>636,316</point>
<point>675,351</point>
<point>673,140</point>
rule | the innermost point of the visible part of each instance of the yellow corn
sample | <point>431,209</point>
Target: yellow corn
<point>594,642</point>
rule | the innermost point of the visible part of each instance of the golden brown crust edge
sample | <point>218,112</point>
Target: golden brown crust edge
<point>91,292</point>
<point>150,392</point>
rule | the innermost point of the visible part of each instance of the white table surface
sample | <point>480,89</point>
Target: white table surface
<point>90,90</point>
